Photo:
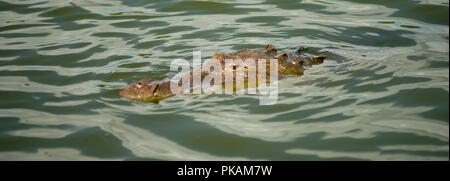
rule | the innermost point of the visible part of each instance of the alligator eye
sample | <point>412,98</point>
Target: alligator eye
<point>234,67</point>
<point>139,84</point>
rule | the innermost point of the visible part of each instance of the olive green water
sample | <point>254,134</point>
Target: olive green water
<point>61,65</point>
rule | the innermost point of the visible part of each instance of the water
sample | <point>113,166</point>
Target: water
<point>62,63</point>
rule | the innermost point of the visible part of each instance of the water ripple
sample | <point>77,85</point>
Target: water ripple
<point>382,93</point>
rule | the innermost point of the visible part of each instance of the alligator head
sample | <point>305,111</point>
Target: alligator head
<point>294,63</point>
<point>139,90</point>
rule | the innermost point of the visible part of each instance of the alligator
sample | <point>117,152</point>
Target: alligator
<point>289,64</point>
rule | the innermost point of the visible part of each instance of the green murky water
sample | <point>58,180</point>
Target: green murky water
<point>61,64</point>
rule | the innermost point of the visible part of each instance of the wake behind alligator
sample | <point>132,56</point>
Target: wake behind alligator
<point>289,64</point>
